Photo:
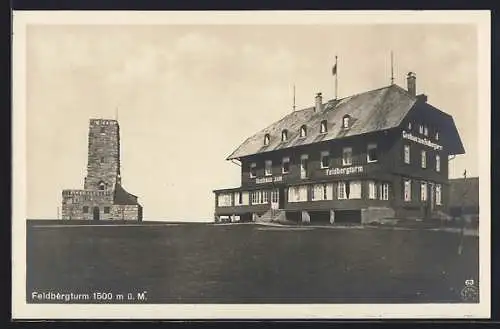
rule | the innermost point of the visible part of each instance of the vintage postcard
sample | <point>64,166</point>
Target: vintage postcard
<point>251,165</point>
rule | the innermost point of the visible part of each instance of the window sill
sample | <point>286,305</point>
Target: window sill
<point>371,161</point>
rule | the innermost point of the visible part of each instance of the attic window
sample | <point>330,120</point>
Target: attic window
<point>266,139</point>
<point>323,128</point>
<point>284,135</point>
<point>303,131</point>
<point>409,125</point>
<point>345,121</point>
<point>437,135</point>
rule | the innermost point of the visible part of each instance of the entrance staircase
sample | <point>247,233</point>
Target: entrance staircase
<point>273,216</point>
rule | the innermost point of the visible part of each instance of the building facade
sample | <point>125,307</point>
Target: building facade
<point>103,196</point>
<point>372,156</point>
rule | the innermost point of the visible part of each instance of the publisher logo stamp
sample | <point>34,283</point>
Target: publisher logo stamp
<point>470,293</point>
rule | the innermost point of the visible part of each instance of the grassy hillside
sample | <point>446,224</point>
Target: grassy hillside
<point>204,263</point>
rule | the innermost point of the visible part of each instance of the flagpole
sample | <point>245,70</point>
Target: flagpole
<point>294,97</point>
<point>336,77</point>
<point>392,68</point>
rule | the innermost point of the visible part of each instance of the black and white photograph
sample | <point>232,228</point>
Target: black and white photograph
<point>291,165</point>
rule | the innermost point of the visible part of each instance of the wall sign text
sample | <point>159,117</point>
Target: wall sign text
<point>344,171</point>
<point>423,141</point>
<point>262,180</point>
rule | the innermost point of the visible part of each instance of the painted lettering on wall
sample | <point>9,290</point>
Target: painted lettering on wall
<point>423,141</point>
<point>344,171</point>
<point>263,180</point>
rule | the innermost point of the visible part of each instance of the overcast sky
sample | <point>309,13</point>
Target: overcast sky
<point>187,96</point>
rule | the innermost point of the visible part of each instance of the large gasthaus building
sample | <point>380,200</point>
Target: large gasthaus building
<point>381,154</point>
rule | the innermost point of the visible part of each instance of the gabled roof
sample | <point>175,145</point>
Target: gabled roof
<point>122,197</point>
<point>464,192</point>
<point>371,111</point>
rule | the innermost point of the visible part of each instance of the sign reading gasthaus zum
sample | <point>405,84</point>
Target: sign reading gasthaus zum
<point>262,180</point>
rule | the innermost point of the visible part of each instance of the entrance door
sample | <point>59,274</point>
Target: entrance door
<point>281,196</point>
<point>275,199</point>
<point>96,213</point>
<point>432,193</point>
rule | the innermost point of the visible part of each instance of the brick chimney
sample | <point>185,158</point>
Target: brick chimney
<point>319,103</point>
<point>411,82</point>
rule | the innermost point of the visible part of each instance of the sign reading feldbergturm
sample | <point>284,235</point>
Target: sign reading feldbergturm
<point>103,196</point>
<point>344,171</point>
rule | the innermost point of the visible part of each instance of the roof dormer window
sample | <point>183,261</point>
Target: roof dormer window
<point>323,127</point>
<point>303,131</point>
<point>346,121</point>
<point>284,135</point>
<point>437,135</point>
<point>267,139</point>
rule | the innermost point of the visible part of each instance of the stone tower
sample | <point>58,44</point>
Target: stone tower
<point>103,164</point>
<point>103,196</point>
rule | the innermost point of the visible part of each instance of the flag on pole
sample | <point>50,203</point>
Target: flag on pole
<point>334,69</point>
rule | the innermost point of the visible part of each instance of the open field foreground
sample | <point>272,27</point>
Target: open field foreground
<point>205,263</point>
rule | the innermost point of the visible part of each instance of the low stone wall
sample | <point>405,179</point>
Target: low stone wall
<point>376,214</point>
<point>127,212</point>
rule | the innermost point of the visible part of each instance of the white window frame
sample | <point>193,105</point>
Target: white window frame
<point>421,129</point>
<point>274,196</point>
<point>344,159</point>
<point>305,158</point>
<point>341,190</point>
<point>372,190</point>
<point>423,191</point>
<point>252,165</point>
<point>224,199</point>
<point>426,131</point>
<point>267,139</point>
<point>371,146</point>
<point>237,195</point>
<point>303,132</point>
<point>323,155</point>
<point>423,159</point>
<point>438,163</point>
<point>437,135</point>
<point>345,122</point>
<point>284,135</point>
<point>324,190</point>
<point>409,125</point>
<point>439,192</point>
<point>285,160</point>
<point>264,196</point>
<point>323,128</point>
<point>407,190</point>
<point>385,192</point>
<point>268,168</point>
<point>407,154</point>
<point>353,196</point>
